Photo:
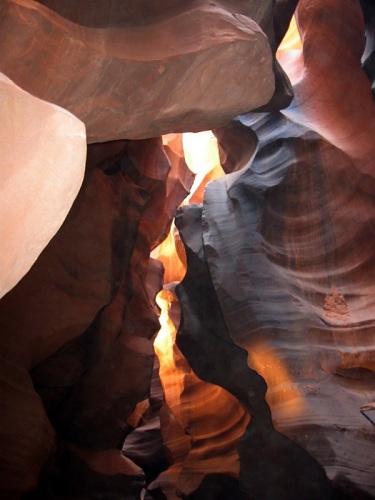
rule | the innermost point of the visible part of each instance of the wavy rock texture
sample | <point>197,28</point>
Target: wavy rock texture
<point>43,151</point>
<point>333,43</point>
<point>273,18</point>
<point>237,145</point>
<point>81,321</point>
<point>277,303</point>
<point>303,299</point>
<point>203,338</point>
<point>197,446</point>
<point>286,248</point>
<point>122,82</point>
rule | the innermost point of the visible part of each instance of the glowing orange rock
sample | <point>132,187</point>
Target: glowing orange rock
<point>212,420</point>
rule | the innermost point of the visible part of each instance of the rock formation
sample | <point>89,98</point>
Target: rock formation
<point>263,386</point>
<point>106,65</point>
<point>43,151</point>
<point>73,333</point>
<point>294,227</point>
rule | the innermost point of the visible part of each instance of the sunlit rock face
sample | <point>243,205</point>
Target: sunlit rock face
<point>43,151</point>
<point>189,71</point>
<point>199,447</point>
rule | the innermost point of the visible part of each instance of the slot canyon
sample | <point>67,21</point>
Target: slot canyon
<point>187,249</point>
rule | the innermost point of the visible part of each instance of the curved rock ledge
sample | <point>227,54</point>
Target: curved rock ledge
<point>194,71</point>
<point>42,162</point>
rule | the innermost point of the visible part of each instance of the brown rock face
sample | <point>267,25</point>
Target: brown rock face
<point>204,339</point>
<point>269,393</point>
<point>191,71</point>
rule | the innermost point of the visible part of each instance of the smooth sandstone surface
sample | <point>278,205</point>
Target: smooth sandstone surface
<point>95,13</point>
<point>42,161</point>
<point>193,71</point>
<point>198,446</point>
<point>277,302</point>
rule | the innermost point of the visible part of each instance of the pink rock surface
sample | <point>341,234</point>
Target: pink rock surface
<point>43,151</point>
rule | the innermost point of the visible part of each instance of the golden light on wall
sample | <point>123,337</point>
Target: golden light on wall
<point>281,390</point>
<point>165,339</point>
<point>202,157</point>
<point>291,40</point>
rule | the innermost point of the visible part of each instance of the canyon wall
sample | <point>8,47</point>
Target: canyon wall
<point>263,386</point>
